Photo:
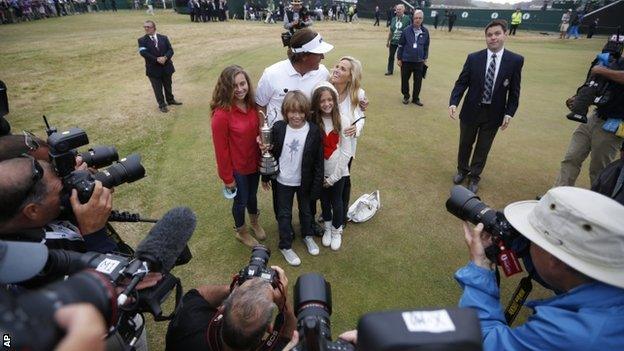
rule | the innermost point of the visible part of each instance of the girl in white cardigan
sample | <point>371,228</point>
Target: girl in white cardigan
<point>337,151</point>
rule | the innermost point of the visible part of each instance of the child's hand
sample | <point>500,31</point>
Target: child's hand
<point>266,185</point>
<point>326,184</point>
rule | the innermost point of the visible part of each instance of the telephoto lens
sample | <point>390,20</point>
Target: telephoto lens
<point>99,156</point>
<point>313,307</point>
<point>127,170</point>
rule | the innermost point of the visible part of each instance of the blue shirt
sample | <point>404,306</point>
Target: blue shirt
<point>588,317</point>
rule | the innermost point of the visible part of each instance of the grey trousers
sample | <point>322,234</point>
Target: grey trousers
<point>588,139</point>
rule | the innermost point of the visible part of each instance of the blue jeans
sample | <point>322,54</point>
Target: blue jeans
<point>574,32</point>
<point>246,189</point>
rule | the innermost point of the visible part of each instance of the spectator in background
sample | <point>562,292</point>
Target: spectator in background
<point>516,19</point>
<point>575,22</point>
<point>451,20</point>
<point>565,24</point>
<point>377,14</point>
<point>592,28</point>
<point>398,23</point>
<point>412,57</point>
<point>389,14</point>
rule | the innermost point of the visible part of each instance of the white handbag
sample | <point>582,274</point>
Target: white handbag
<point>364,208</point>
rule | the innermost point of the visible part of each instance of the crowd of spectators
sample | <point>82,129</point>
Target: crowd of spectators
<point>208,10</point>
<point>15,11</point>
<point>275,10</point>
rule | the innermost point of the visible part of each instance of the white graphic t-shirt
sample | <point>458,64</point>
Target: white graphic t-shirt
<point>292,156</point>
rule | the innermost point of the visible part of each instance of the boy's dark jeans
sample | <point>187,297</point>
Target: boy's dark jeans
<point>285,195</point>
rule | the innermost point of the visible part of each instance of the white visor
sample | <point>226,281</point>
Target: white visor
<point>314,46</point>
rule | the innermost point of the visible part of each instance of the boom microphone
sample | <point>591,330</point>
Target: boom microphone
<point>167,239</point>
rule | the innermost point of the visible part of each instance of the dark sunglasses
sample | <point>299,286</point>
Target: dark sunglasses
<point>30,140</point>
<point>35,177</point>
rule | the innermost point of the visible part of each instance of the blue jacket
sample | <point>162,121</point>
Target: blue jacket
<point>407,52</point>
<point>588,317</point>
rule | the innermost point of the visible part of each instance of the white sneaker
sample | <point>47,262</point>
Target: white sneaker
<point>291,257</point>
<point>327,235</point>
<point>313,249</point>
<point>336,238</point>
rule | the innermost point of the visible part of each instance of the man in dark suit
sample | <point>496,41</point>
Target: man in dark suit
<point>492,77</point>
<point>157,52</point>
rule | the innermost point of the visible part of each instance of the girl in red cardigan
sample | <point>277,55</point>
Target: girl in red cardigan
<point>235,126</point>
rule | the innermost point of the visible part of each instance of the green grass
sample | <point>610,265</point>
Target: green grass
<point>85,71</point>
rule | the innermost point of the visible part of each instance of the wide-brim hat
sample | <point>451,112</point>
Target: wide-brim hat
<point>315,46</point>
<point>582,228</point>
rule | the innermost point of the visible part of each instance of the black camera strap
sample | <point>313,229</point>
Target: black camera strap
<point>518,298</point>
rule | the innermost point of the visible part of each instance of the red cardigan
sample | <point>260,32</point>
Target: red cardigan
<point>234,135</point>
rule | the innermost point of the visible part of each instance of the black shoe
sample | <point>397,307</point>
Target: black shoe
<point>388,74</point>
<point>317,229</point>
<point>164,109</point>
<point>417,102</point>
<point>473,186</point>
<point>405,101</point>
<point>175,103</point>
<point>459,178</point>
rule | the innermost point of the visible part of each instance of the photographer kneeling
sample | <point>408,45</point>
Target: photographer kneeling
<point>30,205</point>
<point>213,317</point>
<point>576,244</point>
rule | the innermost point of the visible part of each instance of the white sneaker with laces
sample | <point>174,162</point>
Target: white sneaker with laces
<point>327,235</point>
<point>313,249</point>
<point>336,238</point>
<point>291,257</point>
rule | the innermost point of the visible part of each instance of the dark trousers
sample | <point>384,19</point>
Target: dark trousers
<point>513,29</point>
<point>484,134</point>
<point>332,205</point>
<point>451,24</point>
<point>285,195</point>
<point>159,84</point>
<point>407,70</point>
<point>246,190</point>
<point>376,21</point>
<point>346,194</point>
<point>392,53</point>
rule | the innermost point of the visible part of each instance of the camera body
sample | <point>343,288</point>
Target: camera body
<point>507,243</point>
<point>313,307</point>
<point>257,267</point>
<point>63,151</point>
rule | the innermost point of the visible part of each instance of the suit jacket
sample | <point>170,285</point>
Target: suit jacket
<point>312,163</point>
<point>150,53</point>
<point>505,96</point>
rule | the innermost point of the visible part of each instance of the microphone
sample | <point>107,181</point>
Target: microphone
<point>167,239</point>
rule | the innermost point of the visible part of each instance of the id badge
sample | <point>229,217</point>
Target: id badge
<point>415,46</point>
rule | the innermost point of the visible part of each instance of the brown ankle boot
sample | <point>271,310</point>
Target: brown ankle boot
<point>255,226</point>
<point>243,236</point>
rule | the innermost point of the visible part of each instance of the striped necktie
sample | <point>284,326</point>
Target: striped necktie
<point>489,81</point>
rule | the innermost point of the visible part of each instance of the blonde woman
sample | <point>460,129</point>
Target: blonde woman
<point>346,77</point>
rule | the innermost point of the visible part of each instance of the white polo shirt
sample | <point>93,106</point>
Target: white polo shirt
<point>280,78</point>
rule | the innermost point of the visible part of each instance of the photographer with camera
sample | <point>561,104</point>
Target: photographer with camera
<point>576,239</point>
<point>297,17</point>
<point>590,139</point>
<point>31,203</point>
<point>237,316</point>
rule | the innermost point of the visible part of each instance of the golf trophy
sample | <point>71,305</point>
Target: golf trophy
<point>268,163</point>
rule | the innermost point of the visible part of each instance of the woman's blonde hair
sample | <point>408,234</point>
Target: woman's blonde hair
<point>223,93</point>
<point>295,100</point>
<point>317,113</point>
<point>353,86</point>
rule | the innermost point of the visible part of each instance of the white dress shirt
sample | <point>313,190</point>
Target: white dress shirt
<point>499,56</point>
